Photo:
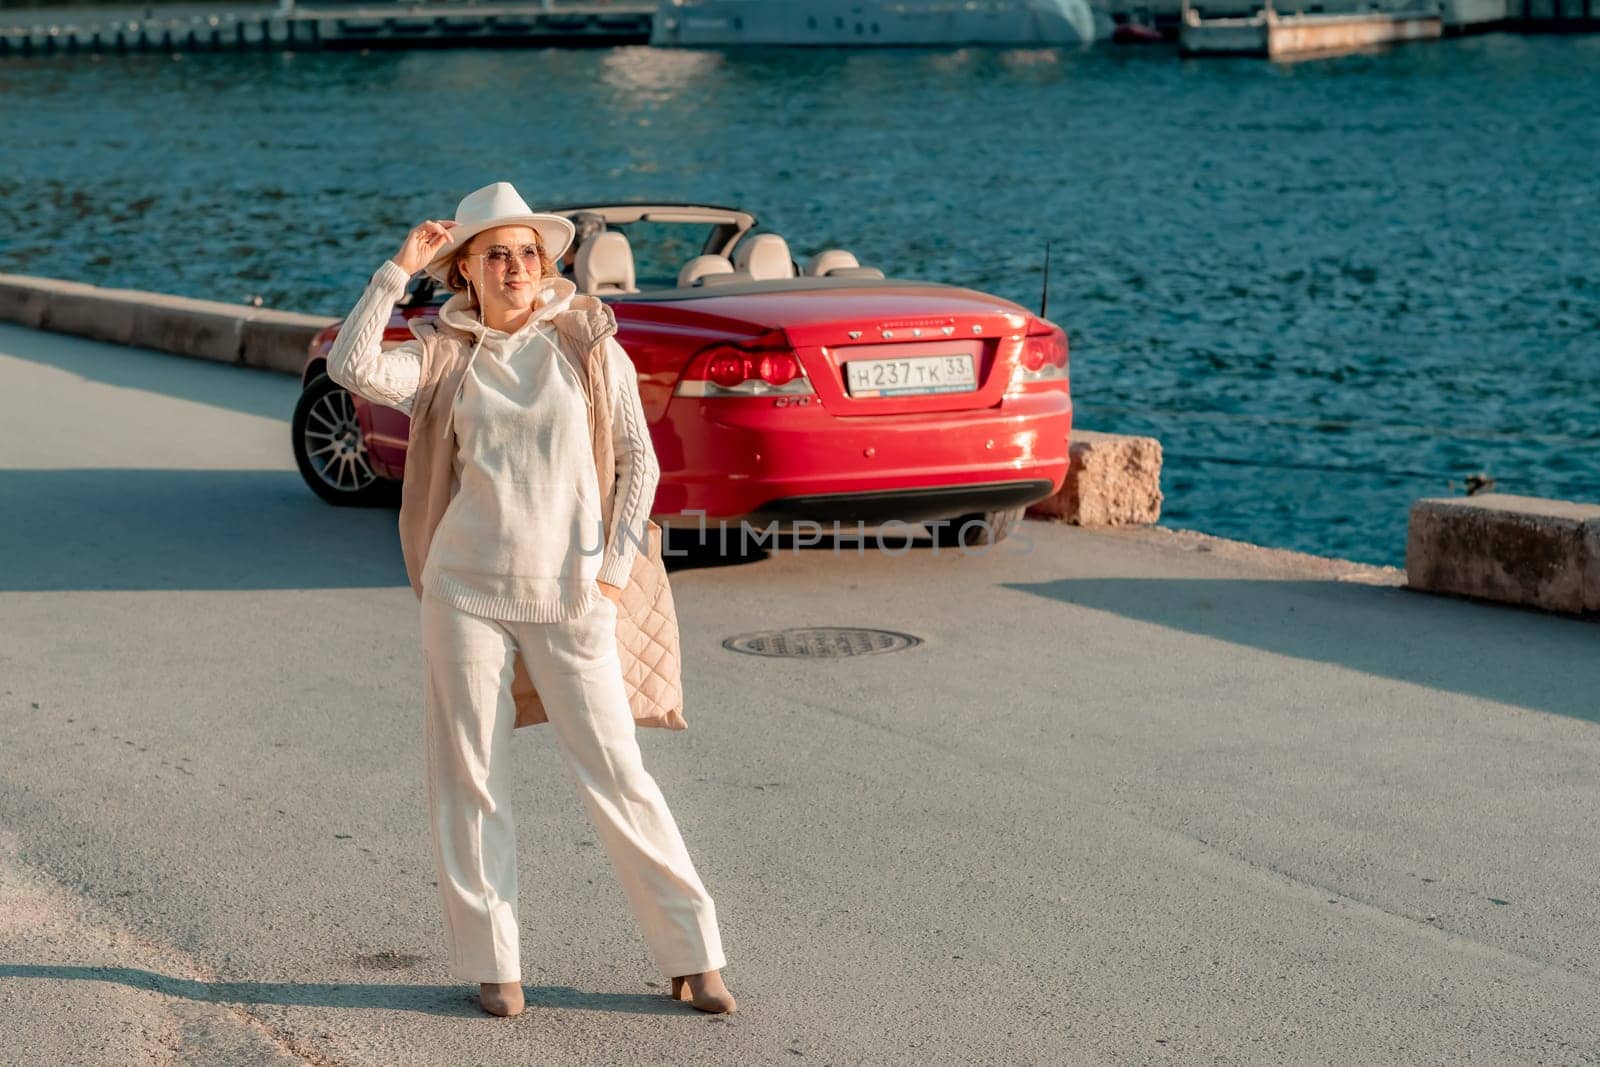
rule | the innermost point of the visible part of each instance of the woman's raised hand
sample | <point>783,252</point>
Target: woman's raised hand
<point>421,244</point>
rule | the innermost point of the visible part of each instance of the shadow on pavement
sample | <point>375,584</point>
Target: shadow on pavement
<point>460,999</point>
<point>1528,659</point>
<point>106,528</point>
<point>250,390</point>
<point>97,529</point>
<point>187,529</point>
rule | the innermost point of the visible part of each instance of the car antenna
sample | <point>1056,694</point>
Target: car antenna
<point>1044,295</point>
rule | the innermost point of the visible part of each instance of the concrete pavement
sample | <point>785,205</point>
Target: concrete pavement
<point>1139,797</point>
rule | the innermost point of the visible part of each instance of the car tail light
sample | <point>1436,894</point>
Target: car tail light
<point>760,368</point>
<point>778,368</point>
<point>1043,357</point>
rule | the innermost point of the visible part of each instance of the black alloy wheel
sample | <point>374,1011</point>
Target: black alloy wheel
<point>330,452</point>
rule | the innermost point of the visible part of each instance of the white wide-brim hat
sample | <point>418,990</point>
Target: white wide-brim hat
<point>498,205</point>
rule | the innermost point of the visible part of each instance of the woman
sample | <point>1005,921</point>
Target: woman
<point>505,551</point>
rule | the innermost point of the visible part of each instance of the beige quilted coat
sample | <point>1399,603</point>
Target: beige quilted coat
<point>647,623</point>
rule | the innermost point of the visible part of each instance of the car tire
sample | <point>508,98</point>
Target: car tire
<point>978,528</point>
<point>329,450</point>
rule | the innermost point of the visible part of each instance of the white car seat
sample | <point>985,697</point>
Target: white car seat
<point>604,264</point>
<point>766,255</point>
<point>700,266</point>
<point>828,259</point>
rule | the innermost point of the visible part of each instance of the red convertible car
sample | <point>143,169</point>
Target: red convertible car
<point>775,392</point>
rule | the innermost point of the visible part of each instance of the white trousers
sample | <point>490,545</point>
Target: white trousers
<point>467,705</point>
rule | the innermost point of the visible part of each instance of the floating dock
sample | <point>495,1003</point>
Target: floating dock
<point>446,25</point>
<point>1276,36</point>
<point>1158,20</point>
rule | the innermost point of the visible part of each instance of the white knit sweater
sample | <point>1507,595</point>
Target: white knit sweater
<point>521,537</point>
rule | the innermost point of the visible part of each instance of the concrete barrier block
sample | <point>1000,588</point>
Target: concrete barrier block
<point>1515,549</point>
<point>1591,566</point>
<point>24,299</point>
<point>184,326</point>
<point>203,329</point>
<point>1114,481</point>
<point>280,340</point>
<point>98,314</point>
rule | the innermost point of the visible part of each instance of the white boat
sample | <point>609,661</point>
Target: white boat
<point>870,23</point>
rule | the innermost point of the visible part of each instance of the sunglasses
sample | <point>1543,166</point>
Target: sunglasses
<point>499,256</point>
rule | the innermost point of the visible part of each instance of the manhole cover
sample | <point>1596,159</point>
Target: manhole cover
<point>821,642</point>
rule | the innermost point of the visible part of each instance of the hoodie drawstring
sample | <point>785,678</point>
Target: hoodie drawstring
<point>482,333</point>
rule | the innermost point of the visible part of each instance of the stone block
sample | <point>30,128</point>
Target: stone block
<point>1591,566</point>
<point>24,300</point>
<point>181,325</point>
<point>1515,549</point>
<point>202,329</point>
<point>1113,481</point>
<point>98,314</point>
<point>280,340</point>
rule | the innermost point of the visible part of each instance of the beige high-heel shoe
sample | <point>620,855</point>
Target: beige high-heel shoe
<point>705,991</point>
<point>501,998</point>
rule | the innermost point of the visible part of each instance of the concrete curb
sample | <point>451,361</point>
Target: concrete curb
<point>184,326</point>
<point>1513,549</point>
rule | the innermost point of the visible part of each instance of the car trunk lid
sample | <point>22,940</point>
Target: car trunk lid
<point>885,349</point>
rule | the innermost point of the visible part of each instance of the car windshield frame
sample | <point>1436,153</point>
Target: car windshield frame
<point>725,228</point>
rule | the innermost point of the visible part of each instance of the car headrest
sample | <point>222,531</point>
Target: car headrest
<point>604,264</point>
<point>766,255</point>
<point>829,259</point>
<point>701,266</point>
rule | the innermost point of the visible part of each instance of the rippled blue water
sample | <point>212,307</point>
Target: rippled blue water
<point>1329,287</point>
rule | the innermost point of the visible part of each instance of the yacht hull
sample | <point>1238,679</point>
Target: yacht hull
<point>864,24</point>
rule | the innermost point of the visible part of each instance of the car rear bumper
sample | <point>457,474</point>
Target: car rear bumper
<point>907,505</point>
<point>733,459</point>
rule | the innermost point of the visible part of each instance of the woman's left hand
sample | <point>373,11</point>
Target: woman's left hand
<point>612,592</point>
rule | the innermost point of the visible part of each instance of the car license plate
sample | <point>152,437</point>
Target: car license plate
<point>910,374</point>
